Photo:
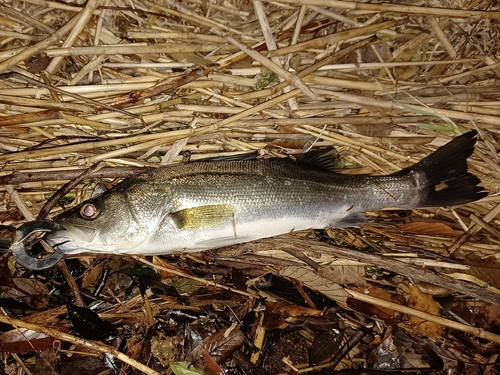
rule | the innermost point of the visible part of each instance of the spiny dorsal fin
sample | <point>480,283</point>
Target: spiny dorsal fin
<point>252,155</point>
<point>323,158</point>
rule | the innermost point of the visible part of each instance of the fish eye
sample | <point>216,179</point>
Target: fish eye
<point>89,211</point>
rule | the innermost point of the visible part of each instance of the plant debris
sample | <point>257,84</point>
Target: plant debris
<point>93,92</point>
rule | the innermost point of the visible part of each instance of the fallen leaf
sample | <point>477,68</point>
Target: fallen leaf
<point>316,282</point>
<point>293,310</point>
<point>413,354</point>
<point>413,50</point>
<point>386,355</point>
<point>210,362</point>
<point>383,294</point>
<point>347,237</point>
<point>424,302</point>
<point>46,363</point>
<point>219,347</point>
<point>30,291</point>
<point>184,368</point>
<point>36,63</point>
<point>484,269</point>
<point>326,345</point>
<point>372,130</point>
<point>88,324</point>
<point>431,229</point>
<point>22,340</point>
<point>380,312</point>
<point>91,276</point>
<point>344,275</point>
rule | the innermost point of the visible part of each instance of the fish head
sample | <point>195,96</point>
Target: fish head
<point>104,224</point>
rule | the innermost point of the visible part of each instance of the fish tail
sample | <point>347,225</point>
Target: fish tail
<point>443,178</point>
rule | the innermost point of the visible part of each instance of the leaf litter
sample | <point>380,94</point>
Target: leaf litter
<point>121,86</point>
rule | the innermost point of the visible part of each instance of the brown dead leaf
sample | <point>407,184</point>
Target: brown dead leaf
<point>46,363</point>
<point>344,275</point>
<point>383,294</point>
<point>92,275</point>
<point>30,291</point>
<point>424,302</point>
<point>22,340</point>
<point>217,347</point>
<point>326,345</point>
<point>316,282</point>
<point>431,229</point>
<point>381,312</point>
<point>210,362</point>
<point>35,64</point>
<point>292,310</point>
<point>484,269</point>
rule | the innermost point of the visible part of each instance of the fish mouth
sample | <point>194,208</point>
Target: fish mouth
<point>72,238</point>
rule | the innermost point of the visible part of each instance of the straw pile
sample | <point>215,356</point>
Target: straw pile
<point>122,85</point>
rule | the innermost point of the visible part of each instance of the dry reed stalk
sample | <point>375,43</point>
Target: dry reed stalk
<point>487,121</point>
<point>292,79</point>
<point>129,49</point>
<point>39,47</point>
<point>440,12</point>
<point>336,38</point>
<point>187,37</point>
<point>84,17</point>
<point>193,17</point>
<point>38,103</point>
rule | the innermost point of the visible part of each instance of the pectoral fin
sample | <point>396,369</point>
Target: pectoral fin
<point>204,216</point>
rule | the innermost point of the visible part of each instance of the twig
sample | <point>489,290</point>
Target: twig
<point>65,189</point>
<point>18,178</point>
<point>73,95</point>
<point>94,346</point>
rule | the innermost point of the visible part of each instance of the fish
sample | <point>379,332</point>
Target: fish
<point>202,205</point>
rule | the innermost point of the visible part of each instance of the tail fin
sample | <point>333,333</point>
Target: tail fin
<point>443,176</point>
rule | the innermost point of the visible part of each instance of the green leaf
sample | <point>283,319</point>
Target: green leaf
<point>184,368</point>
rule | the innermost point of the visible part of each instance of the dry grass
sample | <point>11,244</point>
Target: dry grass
<point>136,83</point>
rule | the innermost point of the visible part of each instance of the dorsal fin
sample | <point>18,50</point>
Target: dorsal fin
<point>323,158</point>
<point>252,155</point>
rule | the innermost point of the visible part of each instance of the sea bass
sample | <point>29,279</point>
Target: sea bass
<point>204,205</point>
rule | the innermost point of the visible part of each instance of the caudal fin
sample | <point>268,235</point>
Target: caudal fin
<point>443,176</point>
